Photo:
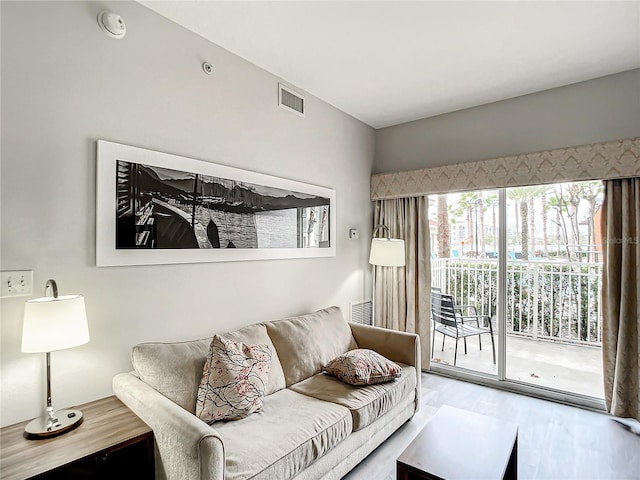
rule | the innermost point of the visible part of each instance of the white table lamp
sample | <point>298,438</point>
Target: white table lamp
<point>50,324</point>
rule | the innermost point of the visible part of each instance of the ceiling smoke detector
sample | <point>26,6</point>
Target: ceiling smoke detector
<point>208,68</point>
<point>112,24</point>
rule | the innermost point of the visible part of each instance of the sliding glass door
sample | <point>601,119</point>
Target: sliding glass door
<point>464,269</point>
<point>531,289</point>
<point>554,271</point>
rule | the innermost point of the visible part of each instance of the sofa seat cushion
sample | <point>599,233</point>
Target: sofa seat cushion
<point>287,436</point>
<point>366,403</point>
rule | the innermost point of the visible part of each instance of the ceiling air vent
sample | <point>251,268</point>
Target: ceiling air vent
<point>290,100</point>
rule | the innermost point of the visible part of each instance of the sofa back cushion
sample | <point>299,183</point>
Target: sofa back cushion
<point>258,334</point>
<point>305,344</point>
<point>175,369</point>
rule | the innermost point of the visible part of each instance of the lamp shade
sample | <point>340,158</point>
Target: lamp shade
<point>54,323</point>
<point>387,252</point>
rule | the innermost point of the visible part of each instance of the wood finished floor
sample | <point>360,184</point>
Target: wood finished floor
<point>555,441</point>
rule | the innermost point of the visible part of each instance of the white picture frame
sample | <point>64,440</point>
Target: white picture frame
<point>124,218</point>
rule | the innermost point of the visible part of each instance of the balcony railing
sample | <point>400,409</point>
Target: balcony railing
<point>554,301</point>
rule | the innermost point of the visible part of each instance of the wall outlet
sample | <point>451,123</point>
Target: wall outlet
<point>16,283</point>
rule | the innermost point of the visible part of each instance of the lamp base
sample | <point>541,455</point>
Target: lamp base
<point>47,426</point>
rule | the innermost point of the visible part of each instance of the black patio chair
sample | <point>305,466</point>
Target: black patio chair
<point>449,319</point>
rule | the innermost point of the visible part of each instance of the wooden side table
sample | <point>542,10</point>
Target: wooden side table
<point>461,444</point>
<point>111,442</point>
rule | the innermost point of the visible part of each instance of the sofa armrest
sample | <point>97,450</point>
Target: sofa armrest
<point>188,448</point>
<point>398,346</point>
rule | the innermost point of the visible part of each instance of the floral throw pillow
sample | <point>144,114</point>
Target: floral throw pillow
<point>363,367</point>
<point>234,380</point>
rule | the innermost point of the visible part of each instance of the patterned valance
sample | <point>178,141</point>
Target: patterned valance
<point>617,159</point>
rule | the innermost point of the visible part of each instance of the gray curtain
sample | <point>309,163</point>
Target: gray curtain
<point>621,297</point>
<point>402,294</point>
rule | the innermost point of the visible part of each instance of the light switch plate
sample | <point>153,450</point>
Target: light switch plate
<point>16,283</point>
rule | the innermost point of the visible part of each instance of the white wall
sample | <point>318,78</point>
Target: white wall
<point>66,84</point>
<point>598,110</point>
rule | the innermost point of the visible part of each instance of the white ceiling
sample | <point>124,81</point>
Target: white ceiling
<point>389,62</point>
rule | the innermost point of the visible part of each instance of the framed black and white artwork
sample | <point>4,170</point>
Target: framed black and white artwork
<point>159,208</point>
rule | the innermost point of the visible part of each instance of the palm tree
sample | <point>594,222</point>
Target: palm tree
<point>592,193</point>
<point>574,197</point>
<point>543,199</point>
<point>532,220</point>
<point>559,203</point>
<point>492,201</point>
<point>480,206</point>
<point>537,192</point>
<point>520,196</point>
<point>465,205</point>
<point>444,234</point>
<point>525,197</point>
<point>524,219</point>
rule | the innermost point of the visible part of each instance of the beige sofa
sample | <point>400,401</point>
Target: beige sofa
<point>312,425</point>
